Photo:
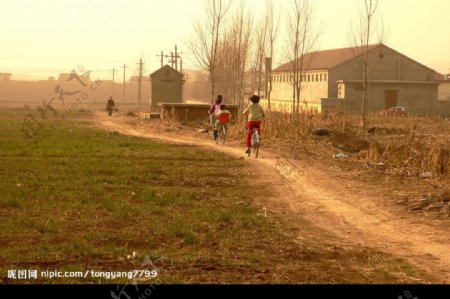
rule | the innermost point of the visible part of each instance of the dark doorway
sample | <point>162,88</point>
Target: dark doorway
<point>390,98</point>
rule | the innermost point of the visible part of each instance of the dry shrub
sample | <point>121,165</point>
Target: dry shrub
<point>408,144</point>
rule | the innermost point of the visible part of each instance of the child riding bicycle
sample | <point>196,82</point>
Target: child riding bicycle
<point>222,118</point>
<point>213,114</point>
<point>255,115</point>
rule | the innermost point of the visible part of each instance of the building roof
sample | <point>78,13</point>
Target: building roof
<point>325,59</point>
<point>328,59</point>
<point>165,67</point>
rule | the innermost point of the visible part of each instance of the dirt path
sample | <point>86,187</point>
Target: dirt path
<point>351,214</point>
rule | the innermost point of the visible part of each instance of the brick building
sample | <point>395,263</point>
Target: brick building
<point>333,79</point>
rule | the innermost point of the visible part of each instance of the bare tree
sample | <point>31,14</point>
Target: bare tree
<point>259,53</point>
<point>300,41</point>
<point>205,43</point>
<point>243,27</point>
<point>232,56</point>
<point>272,33</point>
<point>360,37</point>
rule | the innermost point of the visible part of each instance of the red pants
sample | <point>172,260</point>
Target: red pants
<point>251,126</point>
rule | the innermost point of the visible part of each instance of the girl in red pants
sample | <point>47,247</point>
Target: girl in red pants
<point>255,116</point>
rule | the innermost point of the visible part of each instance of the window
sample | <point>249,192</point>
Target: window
<point>308,78</point>
<point>325,77</point>
<point>317,77</point>
<point>321,77</point>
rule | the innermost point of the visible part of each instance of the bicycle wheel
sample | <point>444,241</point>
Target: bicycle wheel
<point>256,144</point>
<point>216,141</point>
<point>224,134</point>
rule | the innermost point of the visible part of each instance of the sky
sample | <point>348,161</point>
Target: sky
<point>41,38</point>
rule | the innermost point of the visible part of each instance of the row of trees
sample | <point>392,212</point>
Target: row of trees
<point>229,43</point>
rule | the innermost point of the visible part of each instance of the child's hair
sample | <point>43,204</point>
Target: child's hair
<point>219,99</point>
<point>254,99</point>
<point>222,107</point>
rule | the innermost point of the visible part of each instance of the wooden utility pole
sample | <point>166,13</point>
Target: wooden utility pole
<point>177,55</point>
<point>171,59</point>
<point>141,65</point>
<point>162,58</point>
<point>113,73</point>
<point>124,67</point>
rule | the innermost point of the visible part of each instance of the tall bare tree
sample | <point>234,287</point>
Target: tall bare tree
<point>272,33</point>
<point>205,43</point>
<point>361,36</point>
<point>232,56</point>
<point>242,28</point>
<point>259,53</point>
<point>301,40</point>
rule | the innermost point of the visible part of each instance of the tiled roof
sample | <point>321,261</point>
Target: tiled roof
<point>325,59</point>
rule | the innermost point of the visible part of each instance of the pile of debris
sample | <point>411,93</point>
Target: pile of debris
<point>438,205</point>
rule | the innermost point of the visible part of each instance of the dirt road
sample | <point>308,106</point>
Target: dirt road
<point>351,213</point>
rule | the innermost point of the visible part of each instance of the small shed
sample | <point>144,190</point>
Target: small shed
<point>167,87</point>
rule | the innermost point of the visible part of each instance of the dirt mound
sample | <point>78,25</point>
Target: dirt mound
<point>347,142</point>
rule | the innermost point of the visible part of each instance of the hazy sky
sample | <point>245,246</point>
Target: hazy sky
<point>44,37</point>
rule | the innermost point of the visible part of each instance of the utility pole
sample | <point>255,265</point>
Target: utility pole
<point>124,67</point>
<point>113,73</point>
<point>177,55</point>
<point>141,65</point>
<point>176,58</point>
<point>162,58</point>
<point>171,59</point>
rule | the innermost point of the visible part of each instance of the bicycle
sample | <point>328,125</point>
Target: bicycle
<point>221,133</point>
<point>255,143</point>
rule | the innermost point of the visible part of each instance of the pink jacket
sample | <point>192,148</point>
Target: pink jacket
<point>214,109</point>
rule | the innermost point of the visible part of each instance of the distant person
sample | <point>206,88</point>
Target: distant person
<point>255,115</point>
<point>110,106</point>
<point>213,114</point>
